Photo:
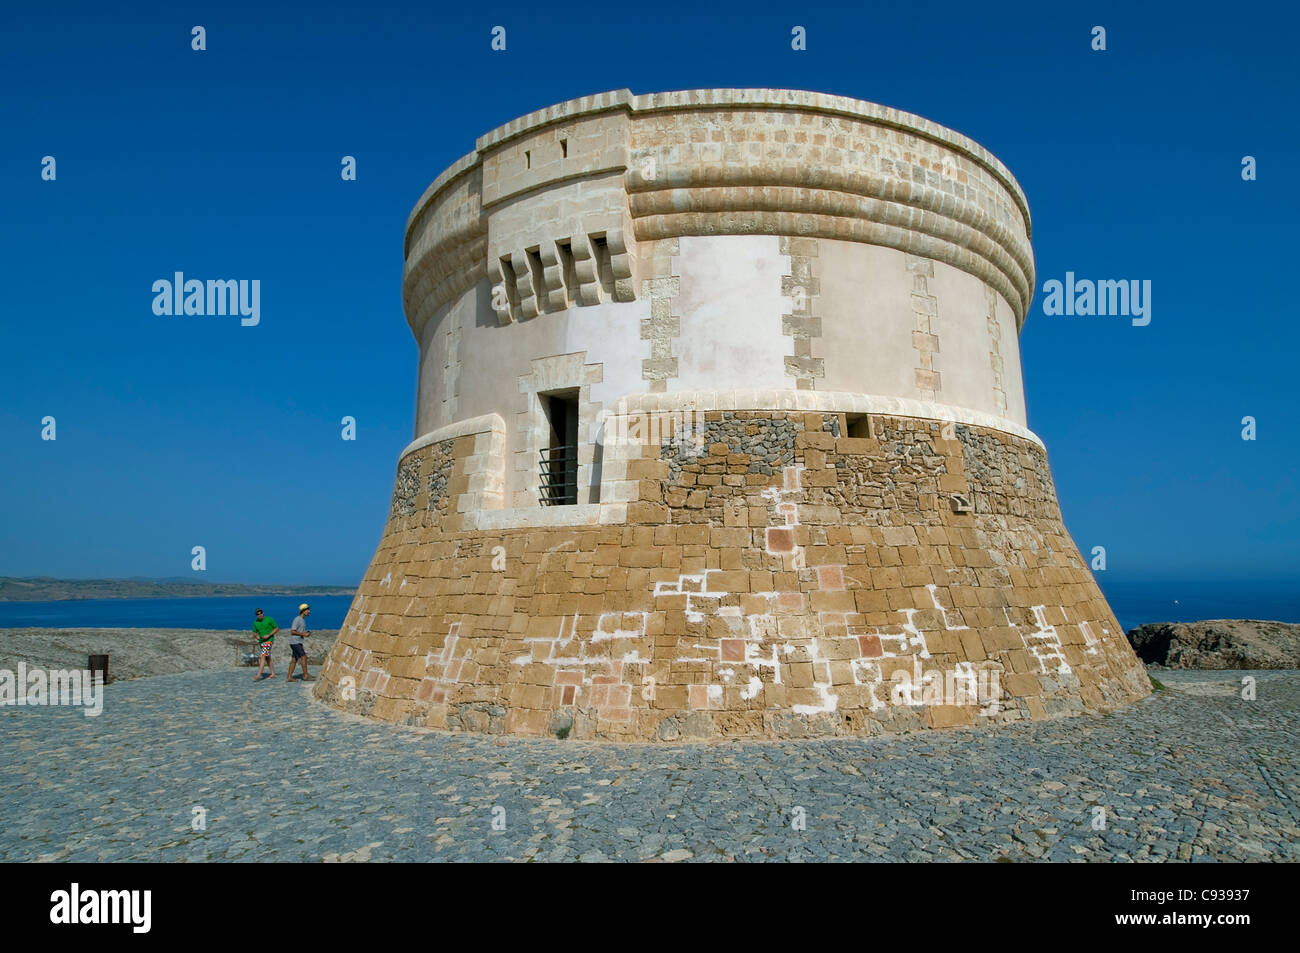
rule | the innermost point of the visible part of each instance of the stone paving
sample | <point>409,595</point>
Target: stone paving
<point>1191,773</point>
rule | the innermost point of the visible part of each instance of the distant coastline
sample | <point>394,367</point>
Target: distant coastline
<point>48,589</point>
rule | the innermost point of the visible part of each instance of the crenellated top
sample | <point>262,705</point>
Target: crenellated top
<point>554,208</point>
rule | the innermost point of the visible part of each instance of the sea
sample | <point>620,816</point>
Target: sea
<point>188,612</point>
<point>1134,602</point>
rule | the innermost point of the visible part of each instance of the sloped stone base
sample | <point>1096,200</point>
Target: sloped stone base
<point>774,578</point>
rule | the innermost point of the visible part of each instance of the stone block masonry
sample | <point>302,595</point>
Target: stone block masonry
<point>775,579</point>
<point>925,333</point>
<point>803,324</point>
<point>663,326</point>
<point>769,337</point>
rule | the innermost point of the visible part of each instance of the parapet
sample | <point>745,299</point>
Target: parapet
<point>555,208</point>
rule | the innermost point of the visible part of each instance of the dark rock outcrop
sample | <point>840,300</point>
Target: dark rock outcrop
<point>1218,644</point>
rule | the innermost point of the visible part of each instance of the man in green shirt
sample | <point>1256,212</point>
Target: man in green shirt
<point>264,628</point>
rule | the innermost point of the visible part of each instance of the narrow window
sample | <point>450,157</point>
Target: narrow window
<point>558,465</point>
<point>568,270</point>
<point>528,159</point>
<point>512,290</point>
<point>859,426</point>
<point>564,148</point>
<point>539,277</point>
<point>604,269</point>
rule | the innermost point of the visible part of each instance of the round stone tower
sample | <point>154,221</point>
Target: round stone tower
<point>721,433</point>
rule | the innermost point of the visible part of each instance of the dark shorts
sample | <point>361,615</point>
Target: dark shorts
<point>299,650</point>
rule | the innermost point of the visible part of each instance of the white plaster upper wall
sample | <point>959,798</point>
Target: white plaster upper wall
<point>965,358</point>
<point>610,333</point>
<point>731,305</point>
<point>1013,382</point>
<point>865,307</point>
<point>867,324</point>
<point>431,411</point>
<point>493,356</point>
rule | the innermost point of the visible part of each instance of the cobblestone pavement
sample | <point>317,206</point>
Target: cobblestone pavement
<point>1192,773</point>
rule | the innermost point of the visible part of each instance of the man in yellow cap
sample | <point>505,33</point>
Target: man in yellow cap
<point>297,632</point>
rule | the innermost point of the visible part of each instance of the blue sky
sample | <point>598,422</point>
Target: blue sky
<point>174,431</point>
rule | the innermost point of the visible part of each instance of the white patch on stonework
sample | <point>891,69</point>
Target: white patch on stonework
<point>762,628</point>
<point>908,690</point>
<point>559,637</point>
<point>450,671</point>
<point>867,674</point>
<point>963,686</point>
<point>375,680</point>
<point>935,599</point>
<point>582,661</point>
<point>715,693</point>
<point>448,647</point>
<point>912,635</point>
<point>609,626</point>
<point>727,674</point>
<point>1089,639</point>
<point>867,671</point>
<point>788,511</point>
<point>387,579</point>
<point>966,684</point>
<point>693,586</point>
<point>754,658</point>
<point>363,622</point>
<point>353,660</point>
<point>830,701</point>
<point>755,686</point>
<point>1044,644</point>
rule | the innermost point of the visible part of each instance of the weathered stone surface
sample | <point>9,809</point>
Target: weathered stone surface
<point>771,338</point>
<point>787,607</point>
<point>1218,644</point>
